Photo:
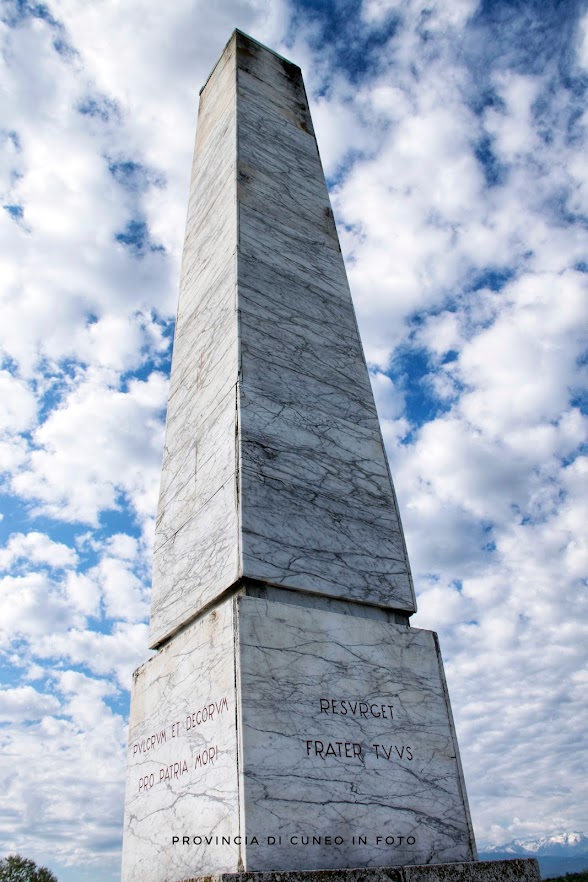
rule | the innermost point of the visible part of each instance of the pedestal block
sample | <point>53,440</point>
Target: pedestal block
<point>271,735</point>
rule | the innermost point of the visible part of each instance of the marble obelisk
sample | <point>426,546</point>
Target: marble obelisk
<point>291,718</point>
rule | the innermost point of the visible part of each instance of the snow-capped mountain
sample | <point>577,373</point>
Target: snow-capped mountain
<point>560,844</point>
<point>557,855</point>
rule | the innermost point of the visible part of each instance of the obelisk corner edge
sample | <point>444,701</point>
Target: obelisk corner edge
<point>245,38</point>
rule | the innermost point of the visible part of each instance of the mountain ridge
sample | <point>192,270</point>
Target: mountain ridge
<point>567,843</point>
<point>557,854</point>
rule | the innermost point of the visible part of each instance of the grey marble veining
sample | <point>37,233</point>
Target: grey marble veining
<point>346,732</point>
<point>311,600</point>
<point>197,546</point>
<point>514,870</point>
<point>274,467</point>
<point>182,754</point>
<point>274,736</point>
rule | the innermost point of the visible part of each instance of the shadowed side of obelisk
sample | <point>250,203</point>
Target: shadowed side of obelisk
<point>197,553</point>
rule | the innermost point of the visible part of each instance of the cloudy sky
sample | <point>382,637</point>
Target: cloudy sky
<point>454,137</point>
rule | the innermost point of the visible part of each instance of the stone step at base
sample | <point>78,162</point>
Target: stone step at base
<point>516,870</point>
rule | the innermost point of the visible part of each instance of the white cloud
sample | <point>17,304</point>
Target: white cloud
<point>98,443</point>
<point>25,703</point>
<point>37,549</point>
<point>72,780</point>
<point>116,654</point>
<point>17,403</point>
<point>33,606</point>
<point>512,127</point>
<point>18,413</point>
<point>125,597</point>
<point>83,593</point>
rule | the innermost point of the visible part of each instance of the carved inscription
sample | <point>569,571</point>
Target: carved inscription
<point>348,749</point>
<point>357,708</point>
<point>149,743</point>
<point>206,713</point>
<point>364,709</point>
<point>403,751</point>
<point>206,756</point>
<point>324,748</point>
<point>175,770</point>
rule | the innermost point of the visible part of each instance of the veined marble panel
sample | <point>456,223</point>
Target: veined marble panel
<point>270,160</point>
<point>182,755</point>
<point>292,293</point>
<point>197,548</point>
<point>310,519</point>
<point>207,376</point>
<point>283,190</point>
<point>328,276</point>
<point>292,209</point>
<point>283,130</point>
<point>198,464</point>
<point>278,80</point>
<point>307,476</point>
<point>300,445</point>
<point>296,361</point>
<point>258,234</point>
<point>195,565</point>
<point>296,537</point>
<point>208,353</point>
<point>346,733</point>
<point>207,318</point>
<point>201,275</point>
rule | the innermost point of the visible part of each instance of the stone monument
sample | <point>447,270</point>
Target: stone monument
<point>291,720</point>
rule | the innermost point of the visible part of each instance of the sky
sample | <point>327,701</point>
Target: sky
<point>454,138</point>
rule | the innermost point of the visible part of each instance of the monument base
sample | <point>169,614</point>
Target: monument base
<point>516,870</point>
<point>268,734</point>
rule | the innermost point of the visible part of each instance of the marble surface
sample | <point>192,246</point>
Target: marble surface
<point>273,451</point>
<point>182,755</point>
<point>346,733</point>
<point>273,736</point>
<point>318,511</point>
<point>515,870</point>
<point>197,549</point>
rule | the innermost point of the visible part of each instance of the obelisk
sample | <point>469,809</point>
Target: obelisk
<point>291,718</point>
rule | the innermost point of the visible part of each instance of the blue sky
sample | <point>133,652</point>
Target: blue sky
<point>454,139</point>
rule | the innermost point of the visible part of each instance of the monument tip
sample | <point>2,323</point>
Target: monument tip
<point>253,41</point>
